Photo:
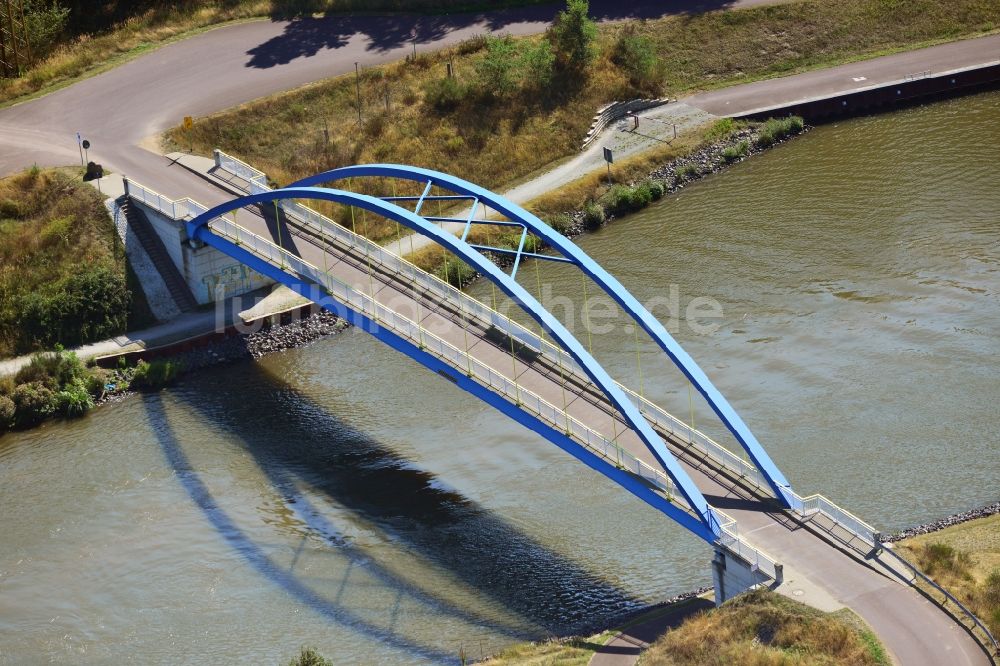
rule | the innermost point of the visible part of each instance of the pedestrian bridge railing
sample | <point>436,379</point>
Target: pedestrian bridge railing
<point>327,228</point>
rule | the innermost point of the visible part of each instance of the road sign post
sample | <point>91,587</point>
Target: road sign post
<point>610,159</point>
<point>188,125</point>
<point>79,144</point>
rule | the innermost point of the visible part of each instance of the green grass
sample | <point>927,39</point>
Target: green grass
<point>762,628</point>
<point>63,277</point>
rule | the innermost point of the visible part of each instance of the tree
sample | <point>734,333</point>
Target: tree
<point>45,21</point>
<point>537,61</point>
<point>497,72</point>
<point>573,35</point>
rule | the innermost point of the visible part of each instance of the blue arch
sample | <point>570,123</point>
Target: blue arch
<point>198,229</point>
<point>553,239</point>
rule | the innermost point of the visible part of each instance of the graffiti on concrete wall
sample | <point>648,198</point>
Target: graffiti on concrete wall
<point>232,280</point>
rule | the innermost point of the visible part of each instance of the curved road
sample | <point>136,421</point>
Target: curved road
<point>231,65</point>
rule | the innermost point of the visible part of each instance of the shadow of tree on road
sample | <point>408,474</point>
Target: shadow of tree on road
<point>306,36</point>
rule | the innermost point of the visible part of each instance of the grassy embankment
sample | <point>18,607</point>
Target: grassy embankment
<point>496,126</point>
<point>153,24</point>
<point>965,560</point>
<point>63,277</point>
<point>766,628</point>
<point>755,629</point>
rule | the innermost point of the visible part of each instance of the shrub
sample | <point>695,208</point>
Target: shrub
<point>7,411</point>
<point>573,35</point>
<point>991,590</point>
<point>89,305</point>
<point>537,63</point>
<point>54,369</point>
<point>733,153</point>
<point>74,400</point>
<point>497,72</point>
<point>473,44</point>
<point>10,209</point>
<point>686,172</point>
<point>445,94</point>
<point>636,56</point>
<point>940,557</point>
<point>593,215</point>
<point>309,657</point>
<point>456,272</point>
<point>155,374</point>
<point>33,402</point>
<point>623,199</point>
<point>722,128</point>
<point>45,21</point>
<point>561,222</point>
<point>775,129</point>
<point>657,189</point>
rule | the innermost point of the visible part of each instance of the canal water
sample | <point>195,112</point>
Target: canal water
<point>339,496</point>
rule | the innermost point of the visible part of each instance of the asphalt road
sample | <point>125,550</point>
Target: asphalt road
<point>820,83</point>
<point>228,66</point>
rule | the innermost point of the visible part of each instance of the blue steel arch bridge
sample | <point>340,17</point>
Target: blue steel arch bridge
<point>742,506</point>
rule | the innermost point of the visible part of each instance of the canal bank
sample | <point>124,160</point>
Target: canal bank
<point>334,495</point>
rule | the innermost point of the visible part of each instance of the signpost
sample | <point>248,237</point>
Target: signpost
<point>188,125</point>
<point>610,159</point>
<point>79,144</point>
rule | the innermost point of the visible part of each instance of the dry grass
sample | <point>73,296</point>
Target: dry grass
<point>496,142</point>
<point>764,629</point>
<point>965,560</point>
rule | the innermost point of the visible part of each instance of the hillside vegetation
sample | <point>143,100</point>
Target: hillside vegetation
<point>514,106</point>
<point>762,628</point>
<point>63,277</point>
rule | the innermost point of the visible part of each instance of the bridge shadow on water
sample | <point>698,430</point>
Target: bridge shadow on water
<point>305,36</point>
<point>296,442</point>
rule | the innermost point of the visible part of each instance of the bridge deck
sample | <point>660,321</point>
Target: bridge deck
<point>812,551</point>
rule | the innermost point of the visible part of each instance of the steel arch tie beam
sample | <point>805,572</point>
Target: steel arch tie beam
<point>611,286</point>
<point>198,227</point>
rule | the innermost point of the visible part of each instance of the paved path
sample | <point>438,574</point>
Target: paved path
<point>774,93</point>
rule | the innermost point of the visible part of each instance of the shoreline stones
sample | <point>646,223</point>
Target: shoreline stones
<point>940,524</point>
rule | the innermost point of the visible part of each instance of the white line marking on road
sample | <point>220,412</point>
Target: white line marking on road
<point>856,79</point>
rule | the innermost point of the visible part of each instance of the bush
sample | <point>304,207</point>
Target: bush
<point>7,411</point>
<point>456,272</point>
<point>636,56</point>
<point>722,128</point>
<point>33,402</point>
<point>657,189</point>
<point>445,94</point>
<point>309,657</point>
<point>560,222</point>
<point>155,374</point>
<point>775,129</point>
<point>573,35</point>
<point>46,21</point>
<point>623,199</point>
<point>54,370</point>
<point>497,72</point>
<point>473,44</point>
<point>733,153</point>
<point>74,400</point>
<point>537,63</point>
<point>991,590</point>
<point>686,172</point>
<point>940,557</point>
<point>593,215</point>
<point>90,305</point>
